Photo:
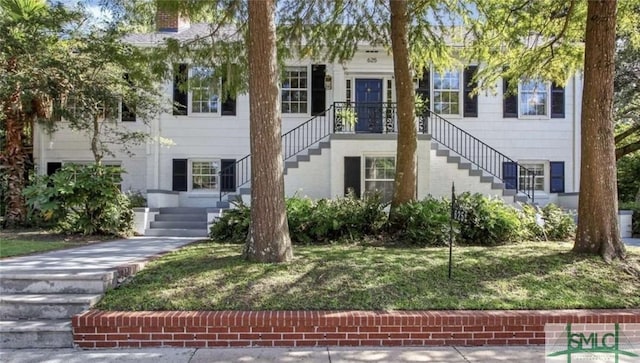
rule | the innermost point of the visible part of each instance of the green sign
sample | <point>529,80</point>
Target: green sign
<point>593,342</point>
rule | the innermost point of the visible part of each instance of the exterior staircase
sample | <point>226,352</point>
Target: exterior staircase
<point>36,309</point>
<point>180,222</point>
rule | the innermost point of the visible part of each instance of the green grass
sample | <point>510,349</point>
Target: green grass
<point>210,276</point>
<point>26,242</point>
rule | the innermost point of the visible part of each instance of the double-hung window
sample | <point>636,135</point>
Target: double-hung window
<point>295,90</point>
<point>379,175</point>
<point>446,92</point>
<point>204,91</point>
<point>534,98</point>
<point>204,175</point>
<point>537,178</point>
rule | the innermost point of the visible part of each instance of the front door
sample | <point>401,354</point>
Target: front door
<point>369,105</point>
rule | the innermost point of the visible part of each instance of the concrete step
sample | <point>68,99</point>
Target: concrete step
<point>36,334</point>
<point>65,283</point>
<point>176,232</point>
<point>179,225</point>
<point>200,217</point>
<point>183,210</point>
<point>45,306</point>
<point>245,191</point>
<point>300,158</point>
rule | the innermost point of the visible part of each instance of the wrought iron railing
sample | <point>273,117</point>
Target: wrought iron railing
<point>293,142</point>
<point>346,117</point>
<point>367,117</point>
<point>477,152</point>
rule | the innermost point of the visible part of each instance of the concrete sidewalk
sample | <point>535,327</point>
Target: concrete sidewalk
<point>96,257</point>
<point>307,355</point>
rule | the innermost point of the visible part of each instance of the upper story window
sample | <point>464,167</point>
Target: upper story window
<point>534,98</point>
<point>295,90</point>
<point>446,93</point>
<point>197,91</point>
<point>204,91</point>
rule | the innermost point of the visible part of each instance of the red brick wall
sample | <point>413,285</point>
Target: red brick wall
<point>98,329</point>
<point>170,21</point>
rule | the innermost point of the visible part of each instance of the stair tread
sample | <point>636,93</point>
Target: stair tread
<point>20,326</point>
<point>50,298</point>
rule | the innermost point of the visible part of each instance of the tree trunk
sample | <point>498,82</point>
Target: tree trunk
<point>268,239</point>
<point>405,179</point>
<point>96,150</point>
<point>598,230</point>
<point>13,156</point>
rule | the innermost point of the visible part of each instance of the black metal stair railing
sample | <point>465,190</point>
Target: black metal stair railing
<point>478,153</point>
<point>294,142</point>
<point>365,117</point>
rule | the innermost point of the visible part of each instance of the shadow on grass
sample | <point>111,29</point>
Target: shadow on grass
<point>211,276</point>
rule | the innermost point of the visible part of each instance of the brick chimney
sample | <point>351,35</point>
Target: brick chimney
<point>171,21</point>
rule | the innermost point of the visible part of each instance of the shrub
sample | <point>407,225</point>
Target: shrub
<point>136,199</point>
<point>488,221</point>
<point>423,223</point>
<point>233,225</point>
<point>82,199</point>
<point>311,221</point>
<point>558,224</point>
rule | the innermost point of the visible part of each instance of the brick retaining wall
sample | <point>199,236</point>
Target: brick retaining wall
<point>100,329</point>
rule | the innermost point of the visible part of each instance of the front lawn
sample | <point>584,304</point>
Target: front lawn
<point>533,275</point>
<point>25,242</point>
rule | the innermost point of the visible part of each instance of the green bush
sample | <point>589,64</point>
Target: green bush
<point>82,199</point>
<point>136,199</point>
<point>322,221</point>
<point>423,223</point>
<point>233,225</point>
<point>558,224</point>
<point>488,221</point>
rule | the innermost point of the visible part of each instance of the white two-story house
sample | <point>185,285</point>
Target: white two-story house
<point>339,133</point>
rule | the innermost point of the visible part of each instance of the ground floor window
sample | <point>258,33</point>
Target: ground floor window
<point>204,175</point>
<point>538,176</point>
<point>379,175</point>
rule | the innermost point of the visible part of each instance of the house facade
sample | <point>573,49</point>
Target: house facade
<point>339,134</point>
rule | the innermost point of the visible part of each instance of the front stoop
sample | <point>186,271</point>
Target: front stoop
<point>36,309</point>
<point>179,222</point>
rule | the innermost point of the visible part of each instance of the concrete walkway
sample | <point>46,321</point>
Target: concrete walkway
<point>307,355</point>
<point>97,257</point>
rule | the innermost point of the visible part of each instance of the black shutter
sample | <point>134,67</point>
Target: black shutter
<point>424,88</point>
<point>556,169</point>
<point>180,175</point>
<point>510,102</point>
<point>510,174</point>
<point>127,114</point>
<point>229,104</point>
<point>318,91</point>
<point>228,175</point>
<point>470,101</point>
<point>352,175</point>
<point>180,97</point>
<point>557,101</point>
<point>53,167</point>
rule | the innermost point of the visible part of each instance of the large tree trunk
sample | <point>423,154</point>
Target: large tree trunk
<point>268,239</point>
<point>598,231</point>
<point>405,180</point>
<point>13,156</point>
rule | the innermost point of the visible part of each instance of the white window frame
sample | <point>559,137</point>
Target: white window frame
<point>547,95</point>
<point>364,170</point>
<point>460,90</point>
<point>191,175</point>
<point>307,89</point>
<point>194,85</point>
<point>535,165</point>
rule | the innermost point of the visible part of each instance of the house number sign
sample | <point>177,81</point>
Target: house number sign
<point>372,60</point>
